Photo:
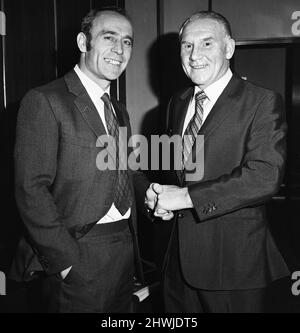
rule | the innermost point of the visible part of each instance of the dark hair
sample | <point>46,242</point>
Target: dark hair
<point>211,15</point>
<point>88,20</point>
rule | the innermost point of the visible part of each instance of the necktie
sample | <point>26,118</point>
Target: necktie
<point>123,194</point>
<point>193,126</point>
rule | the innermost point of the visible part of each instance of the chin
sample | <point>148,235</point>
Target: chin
<point>199,83</point>
<point>112,77</point>
<point>115,74</point>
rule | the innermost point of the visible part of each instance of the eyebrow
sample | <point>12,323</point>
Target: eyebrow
<point>204,39</point>
<point>110,32</point>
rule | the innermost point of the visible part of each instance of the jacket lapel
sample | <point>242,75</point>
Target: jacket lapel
<point>84,104</point>
<point>90,115</point>
<point>180,110</point>
<point>119,112</point>
<point>222,109</point>
<point>178,116</point>
<point>225,105</point>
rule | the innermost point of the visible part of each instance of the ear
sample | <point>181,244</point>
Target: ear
<point>81,42</point>
<point>229,48</point>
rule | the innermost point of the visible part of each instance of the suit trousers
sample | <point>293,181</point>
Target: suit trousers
<point>102,280</point>
<point>180,297</point>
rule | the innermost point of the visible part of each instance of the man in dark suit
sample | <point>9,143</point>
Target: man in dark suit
<point>80,218</point>
<point>221,254</point>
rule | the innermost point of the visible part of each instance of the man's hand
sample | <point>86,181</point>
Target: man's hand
<point>151,197</point>
<point>151,201</point>
<point>65,272</point>
<point>171,197</point>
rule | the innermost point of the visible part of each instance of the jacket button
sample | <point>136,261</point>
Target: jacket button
<point>180,215</point>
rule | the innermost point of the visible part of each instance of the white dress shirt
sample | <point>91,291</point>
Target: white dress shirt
<point>96,92</point>
<point>213,92</point>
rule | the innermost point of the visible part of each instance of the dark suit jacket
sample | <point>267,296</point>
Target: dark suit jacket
<point>59,190</point>
<point>225,242</point>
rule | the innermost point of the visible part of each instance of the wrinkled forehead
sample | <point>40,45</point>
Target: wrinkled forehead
<point>112,21</point>
<point>203,26</point>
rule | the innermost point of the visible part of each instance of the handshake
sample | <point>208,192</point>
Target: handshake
<point>163,200</point>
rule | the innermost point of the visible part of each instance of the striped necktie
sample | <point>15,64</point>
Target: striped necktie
<point>123,195</point>
<point>193,127</point>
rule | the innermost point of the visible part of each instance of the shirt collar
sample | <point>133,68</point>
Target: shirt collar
<point>214,90</point>
<point>92,88</point>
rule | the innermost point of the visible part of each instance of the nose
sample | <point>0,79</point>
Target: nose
<point>118,47</point>
<point>196,53</point>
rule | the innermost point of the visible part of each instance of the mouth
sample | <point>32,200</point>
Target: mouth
<point>199,66</point>
<point>113,62</point>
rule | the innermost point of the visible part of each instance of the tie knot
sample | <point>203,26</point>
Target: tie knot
<point>200,97</point>
<point>105,98</point>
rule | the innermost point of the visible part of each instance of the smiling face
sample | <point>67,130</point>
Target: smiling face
<point>111,46</point>
<point>205,51</point>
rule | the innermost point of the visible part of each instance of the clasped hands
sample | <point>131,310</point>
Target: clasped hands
<point>163,200</point>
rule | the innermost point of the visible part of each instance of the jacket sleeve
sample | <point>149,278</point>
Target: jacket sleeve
<point>36,150</point>
<point>141,184</point>
<point>260,172</point>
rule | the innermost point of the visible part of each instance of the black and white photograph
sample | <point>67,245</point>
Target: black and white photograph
<point>150,160</point>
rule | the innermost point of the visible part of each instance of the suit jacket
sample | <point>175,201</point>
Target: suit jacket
<point>59,190</point>
<point>224,241</point>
